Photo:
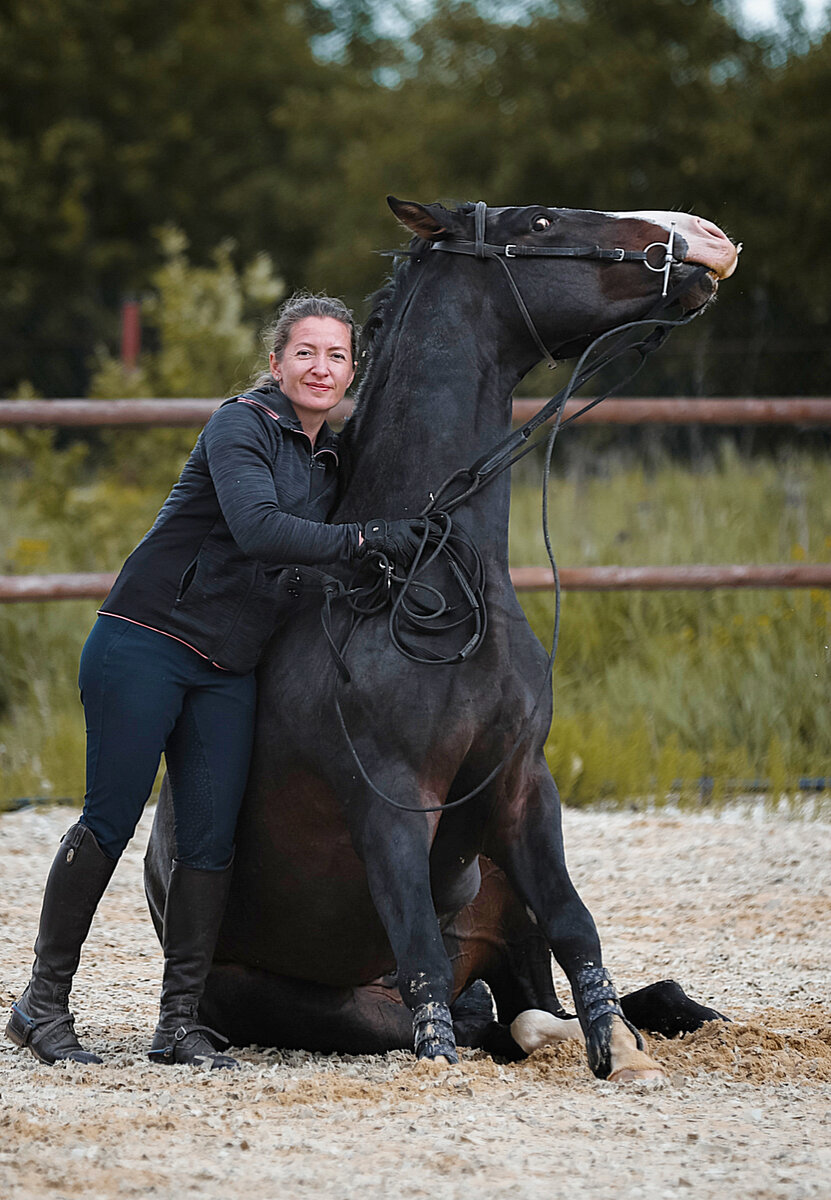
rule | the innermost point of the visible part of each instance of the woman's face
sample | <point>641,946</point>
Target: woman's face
<point>316,367</point>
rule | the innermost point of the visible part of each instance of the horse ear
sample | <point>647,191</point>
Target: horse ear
<point>425,221</point>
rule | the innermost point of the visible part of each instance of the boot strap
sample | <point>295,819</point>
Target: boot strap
<point>167,1054</point>
<point>178,1036</point>
<point>185,1030</point>
<point>42,1025</point>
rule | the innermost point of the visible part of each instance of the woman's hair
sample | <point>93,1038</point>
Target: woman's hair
<point>299,306</point>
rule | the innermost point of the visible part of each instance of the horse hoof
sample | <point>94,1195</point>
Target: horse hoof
<point>629,1064</point>
<point>634,1074</point>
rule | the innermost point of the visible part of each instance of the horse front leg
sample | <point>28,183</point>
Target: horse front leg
<point>395,848</point>
<point>526,840</point>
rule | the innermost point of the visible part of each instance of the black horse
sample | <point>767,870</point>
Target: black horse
<point>353,925</point>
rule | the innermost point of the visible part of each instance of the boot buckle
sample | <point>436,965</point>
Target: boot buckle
<point>20,1027</point>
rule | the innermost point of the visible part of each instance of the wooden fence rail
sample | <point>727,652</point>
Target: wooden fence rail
<point>93,586</point>
<point>784,410</point>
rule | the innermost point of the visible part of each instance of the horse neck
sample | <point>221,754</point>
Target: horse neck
<point>436,397</point>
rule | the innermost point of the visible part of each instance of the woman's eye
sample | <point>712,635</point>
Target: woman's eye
<point>540,223</point>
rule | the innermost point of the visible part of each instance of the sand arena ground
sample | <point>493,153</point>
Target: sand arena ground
<point>737,909</point>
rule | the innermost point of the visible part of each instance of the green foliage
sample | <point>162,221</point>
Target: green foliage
<point>117,119</point>
<point>654,688</point>
<point>204,319</point>
<point>203,322</point>
<point>284,125</point>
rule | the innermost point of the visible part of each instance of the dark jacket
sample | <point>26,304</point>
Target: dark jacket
<point>250,500</point>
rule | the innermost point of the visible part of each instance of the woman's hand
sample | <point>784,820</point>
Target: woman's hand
<point>398,541</point>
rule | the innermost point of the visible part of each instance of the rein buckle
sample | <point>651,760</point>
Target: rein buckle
<point>510,250</point>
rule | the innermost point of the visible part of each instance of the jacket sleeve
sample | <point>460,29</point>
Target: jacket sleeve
<point>239,460</point>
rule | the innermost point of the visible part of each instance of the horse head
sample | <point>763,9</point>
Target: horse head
<point>580,272</point>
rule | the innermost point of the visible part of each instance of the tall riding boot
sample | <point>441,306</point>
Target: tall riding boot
<point>41,1018</point>
<point>192,915</point>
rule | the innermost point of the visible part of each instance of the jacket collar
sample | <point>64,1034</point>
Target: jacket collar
<point>273,401</point>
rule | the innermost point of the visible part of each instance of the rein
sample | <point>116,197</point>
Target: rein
<point>423,607</point>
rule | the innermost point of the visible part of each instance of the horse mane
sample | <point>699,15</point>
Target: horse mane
<point>382,299</point>
<point>374,348</point>
<point>384,303</point>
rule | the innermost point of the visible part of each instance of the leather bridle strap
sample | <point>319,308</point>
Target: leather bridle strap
<point>526,316</point>
<point>617,254</point>
<point>479,248</point>
<point>480,217</point>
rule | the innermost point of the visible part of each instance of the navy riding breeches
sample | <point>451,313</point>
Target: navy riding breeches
<point>145,693</point>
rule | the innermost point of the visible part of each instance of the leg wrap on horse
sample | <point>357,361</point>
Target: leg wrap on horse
<point>433,1032</point>
<point>597,1000</point>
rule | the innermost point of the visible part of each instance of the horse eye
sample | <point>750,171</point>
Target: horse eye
<point>540,223</point>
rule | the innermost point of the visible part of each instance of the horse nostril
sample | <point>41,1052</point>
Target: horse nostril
<point>711,230</point>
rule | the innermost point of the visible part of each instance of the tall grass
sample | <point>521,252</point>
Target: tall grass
<point>670,692</point>
<point>653,691</point>
<point>75,508</point>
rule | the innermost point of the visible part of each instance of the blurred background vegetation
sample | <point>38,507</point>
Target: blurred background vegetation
<point>208,157</point>
<point>284,123</point>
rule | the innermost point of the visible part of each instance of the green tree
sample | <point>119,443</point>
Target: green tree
<point>114,120</point>
<point>610,104</point>
<point>284,123</point>
<point>204,322</point>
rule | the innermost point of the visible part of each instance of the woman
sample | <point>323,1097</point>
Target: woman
<point>169,667</point>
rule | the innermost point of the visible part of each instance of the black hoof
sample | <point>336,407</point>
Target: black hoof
<point>665,1008</point>
<point>472,1013</point>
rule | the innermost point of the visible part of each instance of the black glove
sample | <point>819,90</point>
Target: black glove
<point>397,540</point>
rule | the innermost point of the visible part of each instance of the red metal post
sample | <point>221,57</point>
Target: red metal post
<point>130,333</point>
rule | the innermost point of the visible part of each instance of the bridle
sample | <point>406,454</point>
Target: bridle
<point>517,444</point>
<point>421,605</point>
<point>482,249</point>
